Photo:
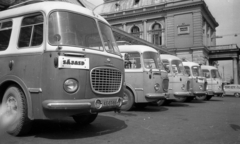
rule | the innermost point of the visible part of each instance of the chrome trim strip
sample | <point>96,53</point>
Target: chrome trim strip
<point>35,90</point>
<point>139,89</point>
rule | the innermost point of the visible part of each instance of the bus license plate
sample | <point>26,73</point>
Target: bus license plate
<point>110,103</point>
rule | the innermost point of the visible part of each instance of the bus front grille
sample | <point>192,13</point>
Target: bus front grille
<point>106,80</point>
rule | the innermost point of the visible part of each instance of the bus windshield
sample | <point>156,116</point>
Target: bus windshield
<point>177,67</point>
<point>152,60</point>
<point>215,73</point>
<point>71,29</point>
<point>196,71</point>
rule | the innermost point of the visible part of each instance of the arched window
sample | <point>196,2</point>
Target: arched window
<point>157,34</point>
<point>135,31</point>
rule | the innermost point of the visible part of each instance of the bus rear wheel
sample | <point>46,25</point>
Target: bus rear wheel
<point>84,119</point>
<point>208,97</point>
<point>16,112</point>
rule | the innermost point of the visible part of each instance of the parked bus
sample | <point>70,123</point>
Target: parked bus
<point>214,81</point>
<point>145,83</point>
<point>198,83</point>
<point>178,80</point>
<point>58,60</point>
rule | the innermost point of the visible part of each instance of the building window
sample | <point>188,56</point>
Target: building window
<point>136,2</point>
<point>157,34</point>
<point>135,31</point>
<point>117,6</point>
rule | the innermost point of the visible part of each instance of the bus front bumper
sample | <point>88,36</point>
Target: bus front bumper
<point>199,93</point>
<point>210,92</point>
<point>182,94</point>
<point>218,92</point>
<point>157,95</point>
<point>85,105</point>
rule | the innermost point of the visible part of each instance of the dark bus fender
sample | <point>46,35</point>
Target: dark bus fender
<point>5,81</point>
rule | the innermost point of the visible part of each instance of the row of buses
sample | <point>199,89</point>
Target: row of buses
<point>61,60</point>
<point>161,79</point>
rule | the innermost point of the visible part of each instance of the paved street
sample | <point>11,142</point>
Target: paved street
<point>214,122</point>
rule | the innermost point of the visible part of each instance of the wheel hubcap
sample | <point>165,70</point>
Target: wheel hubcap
<point>125,97</point>
<point>11,104</point>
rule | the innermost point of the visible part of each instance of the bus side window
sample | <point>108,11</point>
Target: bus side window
<point>187,70</point>
<point>31,33</point>
<point>132,61</point>
<point>5,34</point>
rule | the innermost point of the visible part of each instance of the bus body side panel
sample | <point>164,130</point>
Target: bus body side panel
<point>28,69</point>
<point>136,81</point>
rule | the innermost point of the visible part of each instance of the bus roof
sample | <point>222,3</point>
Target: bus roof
<point>208,67</point>
<point>138,48</point>
<point>169,57</point>
<point>190,64</point>
<point>46,7</point>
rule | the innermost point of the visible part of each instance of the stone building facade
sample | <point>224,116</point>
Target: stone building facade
<point>184,27</point>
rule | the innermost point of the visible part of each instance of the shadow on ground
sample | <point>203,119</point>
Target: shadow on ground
<point>150,109</point>
<point>68,129</point>
<point>235,127</point>
<point>195,101</point>
<point>177,104</point>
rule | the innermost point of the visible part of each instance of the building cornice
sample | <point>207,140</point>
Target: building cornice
<point>156,9</point>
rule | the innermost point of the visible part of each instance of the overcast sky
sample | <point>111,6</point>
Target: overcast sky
<point>227,14</point>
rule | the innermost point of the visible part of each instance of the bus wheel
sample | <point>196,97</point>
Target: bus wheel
<point>189,99</point>
<point>84,119</point>
<point>201,97</point>
<point>161,102</point>
<point>208,97</point>
<point>183,99</point>
<point>16,112</point>
<point>237,95</point>
<point>128,96</point>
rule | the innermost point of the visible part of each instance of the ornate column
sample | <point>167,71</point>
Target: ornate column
<point>124,27</point>
<point>145,29</point>
<point>235,70</point>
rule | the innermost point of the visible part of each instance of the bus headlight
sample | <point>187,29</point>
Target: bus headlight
<point>157,87</point>
<point>70,85</point>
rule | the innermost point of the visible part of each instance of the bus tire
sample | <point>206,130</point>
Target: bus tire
<point>237,95</point>
<point>208,98</point>
<point>161,102</point>
<point>201,97</point>
<point>183,99</point>
<point>130,100</point>
<point>15,101</point>
<point>84,119</point>
<point>189,99</point>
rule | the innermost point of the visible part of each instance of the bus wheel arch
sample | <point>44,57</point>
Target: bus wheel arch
<point>5,84</point>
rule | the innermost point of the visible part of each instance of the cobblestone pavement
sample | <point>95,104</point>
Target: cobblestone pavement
<point>210,122</point>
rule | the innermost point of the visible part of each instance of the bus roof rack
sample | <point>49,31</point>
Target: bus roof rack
<point>9,4</point>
